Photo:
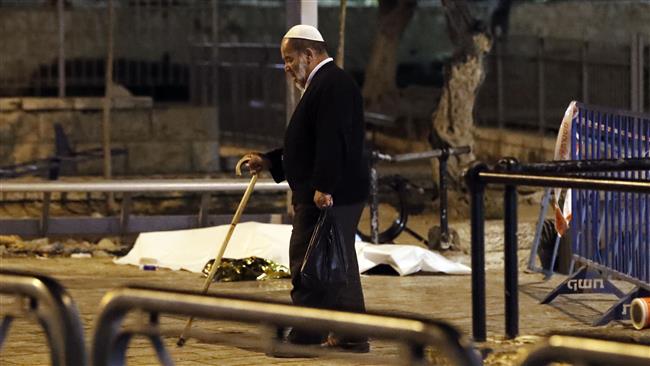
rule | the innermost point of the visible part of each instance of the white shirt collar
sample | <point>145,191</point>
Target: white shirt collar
<point>313,72</point>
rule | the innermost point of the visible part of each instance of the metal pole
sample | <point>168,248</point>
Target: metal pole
<point>215,77</point>
<point>45,213</point>
<point>582,166</point>
<point>477,190</point>
<point>510,254</point>
<point>634,74</point>
<point>374,205</point>
<point>298,12</point>
<point>641,62</point>
<point>125,213</point>
<point>500,104</point>
<point>444,225</point>
<point>611,185</point>
<point>542,89</point>
<point>61,18</point>
<point>585,72</point>
<point>106,116</point>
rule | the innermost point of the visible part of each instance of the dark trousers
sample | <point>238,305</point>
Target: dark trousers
<point>348,297</point>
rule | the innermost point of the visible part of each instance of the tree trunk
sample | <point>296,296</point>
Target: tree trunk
<point>453,119</point>
<point>379,88</point>
<point>340,53</point>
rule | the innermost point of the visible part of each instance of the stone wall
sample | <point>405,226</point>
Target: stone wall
<point>605,21</point>
<point>492,144</point>
<point>159,140</point>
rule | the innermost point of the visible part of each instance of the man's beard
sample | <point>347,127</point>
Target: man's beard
<point>301,75</point>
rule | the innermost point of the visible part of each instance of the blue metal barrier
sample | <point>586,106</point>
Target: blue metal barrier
<point>610,231</point>
<point>509,173</point>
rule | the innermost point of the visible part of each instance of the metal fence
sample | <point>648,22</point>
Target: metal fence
<point>150,58</point>
<point>126,222</point>
<point>511,174</point>
<point>530,80</point>
<point>168,49</point>
<point>165,49</point>
<point>610,231</point>
<point>252,93</point>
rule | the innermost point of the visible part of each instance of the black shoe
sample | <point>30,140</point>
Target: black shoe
<point>293,343</point>
<point>335,344</point>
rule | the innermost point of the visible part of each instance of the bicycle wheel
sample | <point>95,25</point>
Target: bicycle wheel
<point>391,209</point>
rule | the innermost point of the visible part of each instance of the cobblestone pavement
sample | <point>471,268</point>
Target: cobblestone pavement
<point>438,296</point>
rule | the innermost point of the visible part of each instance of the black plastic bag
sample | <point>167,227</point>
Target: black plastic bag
<point>325,264</point>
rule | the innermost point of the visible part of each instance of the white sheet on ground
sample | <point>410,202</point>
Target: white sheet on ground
<point>192,249</point>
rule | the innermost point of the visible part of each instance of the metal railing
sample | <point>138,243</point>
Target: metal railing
<point>126,222</point>
<point>594,274</point>
<point>587,351</point>
<point>52,306</point>
<point>621,221</point>
<point>477,177</point>
<point>609,232</point>
<point>602,166</point>
<point>110,344</point>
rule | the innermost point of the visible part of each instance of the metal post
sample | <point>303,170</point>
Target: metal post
<point>374,205</point>
<point>61,18</point>
<point>291,93</point>
<point>499,63</point>
<point>444,226</point>
<point>215,78</point>
<point>108,95</point>
<point>510,254</point>
<point>585,72</point>
<point>204,210</point>
<point>634,74</point>
<point>477,190</point>
<point>541,91</point>
<point>45,213</point>
<point>298,12</point>
<point>642,79</point>
<point>125,213</point>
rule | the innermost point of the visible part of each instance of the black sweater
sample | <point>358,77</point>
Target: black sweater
<point>323,144</point>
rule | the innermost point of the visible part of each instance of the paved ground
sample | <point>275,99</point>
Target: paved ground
<point>438,296</point>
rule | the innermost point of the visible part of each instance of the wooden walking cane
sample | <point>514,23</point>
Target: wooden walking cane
<point>217,259</point>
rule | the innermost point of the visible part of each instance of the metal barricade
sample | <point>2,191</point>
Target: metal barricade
<point>477,177</point>
<point>53,307</point>
<point>610,231</point>
<point>126,222</point>
<point>110,342</point>
<point>588,351</point>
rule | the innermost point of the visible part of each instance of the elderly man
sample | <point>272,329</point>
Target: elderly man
<point>322,159</point>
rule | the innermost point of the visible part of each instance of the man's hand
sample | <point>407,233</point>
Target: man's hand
<point>323,200</point>
<point>257,162</point>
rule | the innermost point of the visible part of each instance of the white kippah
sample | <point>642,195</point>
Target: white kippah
<point>304,31</point>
